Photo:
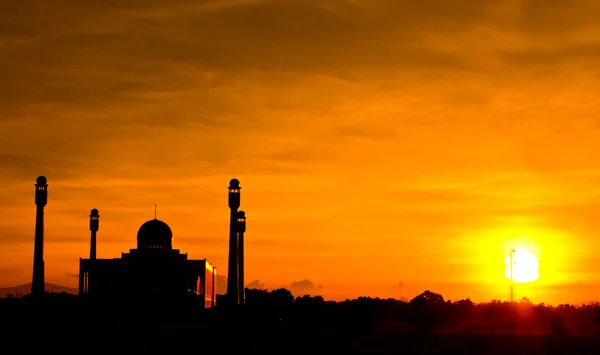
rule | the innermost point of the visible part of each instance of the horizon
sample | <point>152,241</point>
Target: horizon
<point>296,294</point>
<point>383,147</point>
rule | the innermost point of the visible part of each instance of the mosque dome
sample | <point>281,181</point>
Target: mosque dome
<point>155,234</point>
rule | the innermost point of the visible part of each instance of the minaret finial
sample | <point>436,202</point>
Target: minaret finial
<point>155,211</point>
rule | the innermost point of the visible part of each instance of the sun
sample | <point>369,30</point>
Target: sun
<point>525,266</point>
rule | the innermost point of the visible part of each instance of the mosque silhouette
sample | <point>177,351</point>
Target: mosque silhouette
<point>153,270</point>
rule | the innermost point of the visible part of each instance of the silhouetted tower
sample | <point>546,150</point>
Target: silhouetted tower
<point>232,269</point>
<point>241,224</point>
<point>94,226</point>
<point>512,280</point>
<point>41,199</point>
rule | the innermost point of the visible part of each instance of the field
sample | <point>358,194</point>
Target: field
<point>233,336</point>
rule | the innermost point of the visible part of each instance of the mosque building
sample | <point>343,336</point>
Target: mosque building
<point>153,270</point>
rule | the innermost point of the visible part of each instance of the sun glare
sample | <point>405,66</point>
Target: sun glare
<point>525,266</point>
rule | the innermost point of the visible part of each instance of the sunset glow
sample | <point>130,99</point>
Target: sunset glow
<point>383,147</point>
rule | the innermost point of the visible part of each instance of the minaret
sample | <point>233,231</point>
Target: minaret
<point>232,268</point>
<point>94,226</point>
<point>41,199</point>
<point>241,222</point>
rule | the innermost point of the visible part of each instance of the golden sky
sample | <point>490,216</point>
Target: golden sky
<point>384,147</point>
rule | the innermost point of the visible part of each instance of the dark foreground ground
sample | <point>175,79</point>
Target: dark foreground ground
<point>234,336</point>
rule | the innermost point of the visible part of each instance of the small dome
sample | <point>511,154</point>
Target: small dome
<point>155,234</point>
<point>41,180</point>
<point>241,214</point>
<point>94,213</point>
<point>234,184</point>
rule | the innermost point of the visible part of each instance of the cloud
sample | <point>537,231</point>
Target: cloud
<point>129,66</point>
<point>554,56</point>
<point>401,284</point>
<point>299,288</point>
<point>14,235</point>
<point>557,17</point>
<point>175,51</point>
<point>256,284</point>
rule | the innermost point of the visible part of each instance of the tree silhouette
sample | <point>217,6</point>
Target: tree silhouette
<point>525,300</point>
<point>427,311</point>
<point>463,309</point>
<point>264,304</point>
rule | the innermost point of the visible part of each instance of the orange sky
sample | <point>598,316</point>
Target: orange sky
<point>384,147</point>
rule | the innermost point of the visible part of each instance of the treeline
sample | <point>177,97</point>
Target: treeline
<point>426,312</point>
